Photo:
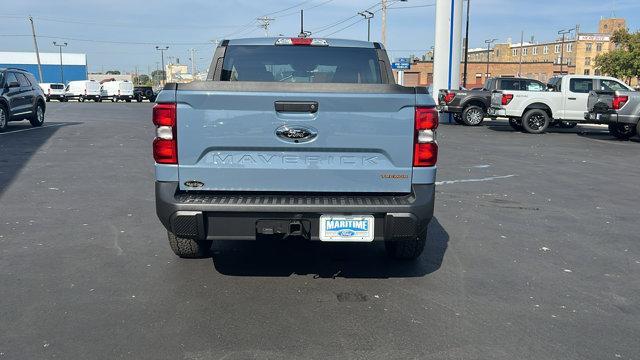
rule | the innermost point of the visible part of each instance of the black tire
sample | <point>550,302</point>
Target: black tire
<point>473,115</point>
<point>81,99</point>
<point>99,99</point>
<point>148,94</point>
<point>458,118</point>
<point>567,124</point>
<point>622,131</point>
<point>37,119</point>
<point>406,249</point>
<point>189,248</point>
<point>535,121</point>
<point>4,118</point>
<point>48,99</point>
<point>139,98</point>
<point>516,124</point>
<point>128,100</point>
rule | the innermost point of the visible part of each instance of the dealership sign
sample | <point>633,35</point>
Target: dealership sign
<point>594,38</point>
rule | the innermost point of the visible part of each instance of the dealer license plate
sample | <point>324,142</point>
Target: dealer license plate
<point>343,228</point>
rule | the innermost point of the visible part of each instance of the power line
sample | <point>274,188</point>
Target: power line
<point>112,41</point>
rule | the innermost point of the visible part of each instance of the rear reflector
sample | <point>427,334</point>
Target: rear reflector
<point>164,114</point>
<point>164,151</point>
<point>619,101</point>
<point>425,154</point>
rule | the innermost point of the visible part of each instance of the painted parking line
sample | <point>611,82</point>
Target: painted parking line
<point>31,128</point>
<point>449,182</point>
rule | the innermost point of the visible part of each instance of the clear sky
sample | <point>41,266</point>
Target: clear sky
<point>118,34</point>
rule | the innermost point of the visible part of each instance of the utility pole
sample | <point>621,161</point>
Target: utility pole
<point>193,61</point>
<point>60,46</point>
<point>35,44</point>
<point>368,15</point>
<point>266,22</point>
<point>563,33</point>
<point>164,73</point>
<point>384,23</point>
<point>488,42</point>
<point>466,47</point>
<point>521,53</point>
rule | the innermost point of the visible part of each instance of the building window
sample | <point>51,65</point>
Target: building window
<point>589,47</point>
<point>569,47</point>
<point>545,49</point>
<point>587,72</point>
<point>534,51</point>
<point>497,52</point>
<point>557,49</point>
<point>525,51</point>
<point>587,61</point>
<point>514,52</point>
<point>598,47</point>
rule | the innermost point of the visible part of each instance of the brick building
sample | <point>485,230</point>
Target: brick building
<point>541,61</point>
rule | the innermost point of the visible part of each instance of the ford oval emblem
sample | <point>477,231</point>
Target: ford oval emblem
<point>296,134</point>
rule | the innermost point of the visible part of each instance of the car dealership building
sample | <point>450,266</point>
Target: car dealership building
<point>74,66</point>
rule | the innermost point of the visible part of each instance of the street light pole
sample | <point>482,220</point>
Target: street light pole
<point>563,33</point>
<point>162,50</point>
<point>488,42</point>
<point>60,46</point>
<point>368,15</point>
<point>466,47</point>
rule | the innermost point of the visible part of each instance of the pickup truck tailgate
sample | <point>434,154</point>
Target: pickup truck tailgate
<point>276,137</point>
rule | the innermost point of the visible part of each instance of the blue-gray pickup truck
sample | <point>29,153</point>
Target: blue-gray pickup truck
<point>296,137</point>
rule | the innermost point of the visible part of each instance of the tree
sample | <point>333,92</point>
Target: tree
<point>157,76</point>
<point>113,72</point>
<point>142,80</point>
<point>624,61</point>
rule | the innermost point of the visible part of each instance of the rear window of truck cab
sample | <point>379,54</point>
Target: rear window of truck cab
<point>301,64</point>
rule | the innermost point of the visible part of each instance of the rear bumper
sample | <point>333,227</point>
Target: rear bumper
<point>234,216</point>
<point>609,118</point>
<point>449,109</point>
<point>496,112</point>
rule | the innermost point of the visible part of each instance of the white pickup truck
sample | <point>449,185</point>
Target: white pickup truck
<point>563,103</point>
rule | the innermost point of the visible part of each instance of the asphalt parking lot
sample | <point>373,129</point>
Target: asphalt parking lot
<point>534,254</point>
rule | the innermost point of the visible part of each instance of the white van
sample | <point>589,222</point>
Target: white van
<point>117,90</point>
<point>83,90</point>
<point>53,91</point>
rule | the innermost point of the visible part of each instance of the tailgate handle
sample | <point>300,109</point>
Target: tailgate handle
<point>297,106</point>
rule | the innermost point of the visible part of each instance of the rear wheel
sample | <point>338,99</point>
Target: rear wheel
<point>189,248</point>
<point>473,115</point>
<point>406,249</point>
<point>81,99</point>
<point>622,131</point>
<point>4,118</point>
<point>535,121</point>
<point>516,124</point>
<point>37,119</point>
<point>458,118</point>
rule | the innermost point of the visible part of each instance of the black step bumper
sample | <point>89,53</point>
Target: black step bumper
<point>236,216</point>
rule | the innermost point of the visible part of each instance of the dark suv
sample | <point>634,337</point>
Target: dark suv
<point>20,98</point>
<point>144,92</point>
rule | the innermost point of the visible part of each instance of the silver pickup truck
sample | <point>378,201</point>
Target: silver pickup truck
<point>619,109</point>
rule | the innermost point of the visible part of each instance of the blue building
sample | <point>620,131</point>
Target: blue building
<point>74,66</point>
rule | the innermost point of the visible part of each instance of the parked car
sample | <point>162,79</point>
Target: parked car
<point>117,90</point>
<point>469,107</point>
<point>53,91</point>
<point>82,90</point>
<point>144,92</point>
<point>296,137</point>
<point>566,100</point>
<point>620,109</point>
<point>21,98</point>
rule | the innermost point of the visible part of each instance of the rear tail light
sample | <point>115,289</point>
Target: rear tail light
<point>619,101</point>
<point>448,97</point>
<point>165,145</point>
<point>506,99</point>
<point>425,146</point>
<point>302,42</point>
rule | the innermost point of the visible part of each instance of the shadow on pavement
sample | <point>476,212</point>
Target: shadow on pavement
<point>285,258</point>
<point>18,143</point>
